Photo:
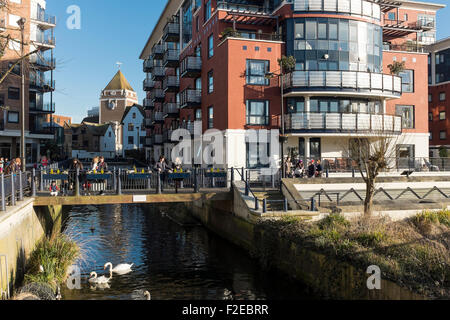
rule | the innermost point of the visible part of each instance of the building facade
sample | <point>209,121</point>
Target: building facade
<point>215,64</point>
<point>133,128</point>
<point>38,71</point>
<point>439,98</point>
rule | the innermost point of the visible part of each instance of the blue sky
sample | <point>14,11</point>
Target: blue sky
<point>112,31</point>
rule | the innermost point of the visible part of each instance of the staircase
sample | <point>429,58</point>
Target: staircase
<point>271,195</point>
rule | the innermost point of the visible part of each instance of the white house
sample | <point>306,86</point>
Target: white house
<point>133,131</point>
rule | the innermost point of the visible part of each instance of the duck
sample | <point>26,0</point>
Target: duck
<point>98,280</point>
<point>141,295</point>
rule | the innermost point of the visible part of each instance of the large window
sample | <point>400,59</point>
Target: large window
<point>407,80</point>
<point>256,153</point>
<point>210,46</point>
<point>13,93</point>
<point>256,71</point>
<point>13,117</point>
<point>407,114</point>
<point>210,81</point>
<point>257,112</point>
<point>207,10</point>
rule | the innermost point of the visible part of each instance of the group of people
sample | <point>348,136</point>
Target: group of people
<point>313,169</point>
<point>9,167</point>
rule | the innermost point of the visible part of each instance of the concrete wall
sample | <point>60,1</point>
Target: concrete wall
<point>21,227</point>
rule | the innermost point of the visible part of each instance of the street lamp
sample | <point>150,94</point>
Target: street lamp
<point>270,75</point>
<point>21,22</point>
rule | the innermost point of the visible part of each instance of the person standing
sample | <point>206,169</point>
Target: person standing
<point>161,167</point>
<point>319,169</point>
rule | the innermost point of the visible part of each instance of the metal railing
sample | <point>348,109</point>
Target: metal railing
<point>190,66</point>
<point>171,82</point>
<point>158,72</point>
<point>171,108</point>
<point>171,55</point>
<point>242,8</point>
<point>43,17</point>
<point>148,103</point>
<point>171,31</point>
<point>13,188</point>
<point>190,97</point>
<point>158,50</point>
<point>147,65</point>
<point>343,122</point>
<point>359,81</point>
<point>156,94</point>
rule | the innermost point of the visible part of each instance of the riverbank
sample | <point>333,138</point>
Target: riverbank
<point>331,256</point>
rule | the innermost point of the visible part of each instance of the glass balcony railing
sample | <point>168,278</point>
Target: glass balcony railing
<point>42,84</point>
<point>244,8</point>
<point>45,39</point>
<point>43,62</point>
<point>343,123</point>
<point>361,82</point>
<point>45,107</point>
<point>43,17</point>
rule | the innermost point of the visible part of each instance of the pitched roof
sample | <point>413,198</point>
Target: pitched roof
<point>119,82</point>
<point>97,129</point>
<point>128,109</point>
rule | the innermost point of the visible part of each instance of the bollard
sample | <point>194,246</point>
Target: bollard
<point>119,183</point>
<point>41,187</point>
<point>13,191</point>
<point>20,186</point>
<point>285,205</point>
<point>256,204</point>
<point>264,205</point>
<point>326,173</point>
<point>337,198</point>
<point>246,189</point>
<point>353,172</point>
<point>77,182</point>
<point>158,183</point>
<point>313,204</point>
<point>33,183</point>
<point>3,201</point>
<point>195,180</point>
<point>242,174</point>
<point>232,174</point>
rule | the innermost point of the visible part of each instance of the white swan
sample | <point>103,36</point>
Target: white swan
<point>122,268</point>
<point>93,278</point>
<point>141,295</point>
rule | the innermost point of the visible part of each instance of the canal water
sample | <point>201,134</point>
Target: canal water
<point>170,261</point>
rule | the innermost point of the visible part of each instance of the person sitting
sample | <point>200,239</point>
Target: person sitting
<point>319,169</point>
<point>54,190</point>
<point>311,169</point>
<point>95,162</point>
<point>299,170</point>
<point>102,165</point>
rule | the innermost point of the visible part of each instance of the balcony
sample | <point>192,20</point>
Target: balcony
<point>148,104</point>
<point>171,84</point>
<point>157,117</point>
<point>171,109</point>
<point>191,67</point>
<point>148,84</point>
<point>41,84</point>
<point>308,122</point>
<point>46,21</point>
<point>243,8</point>
<point>42,107</point>
<point>343,83</point>
<point>171,32</point>
<point>147,65</point>
<point>158,51</point>
<point>45,42</point>
<point>406,47</point>
<point>158,139</point>
<point>42,63</point>
<point>157,95</point>
<point>171,58</point>
<point>158,73</point>
<point>190,98</point>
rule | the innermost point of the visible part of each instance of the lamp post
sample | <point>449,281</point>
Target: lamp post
<point>21,23</point>
<point>270,75</point>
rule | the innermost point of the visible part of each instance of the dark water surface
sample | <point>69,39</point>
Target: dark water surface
<point>170,261</point>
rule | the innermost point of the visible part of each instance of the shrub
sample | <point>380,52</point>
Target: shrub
<point>334,220</point>
<point>371,239</point>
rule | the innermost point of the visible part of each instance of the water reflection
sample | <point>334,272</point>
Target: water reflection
<point>170,261</point>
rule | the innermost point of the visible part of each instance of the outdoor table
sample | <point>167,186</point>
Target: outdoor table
<point>178,177</point>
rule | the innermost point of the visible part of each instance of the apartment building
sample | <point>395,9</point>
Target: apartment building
<point>214,64</point>
<point>39,83</point>
<point>58,119</point>
<point>439,98</point>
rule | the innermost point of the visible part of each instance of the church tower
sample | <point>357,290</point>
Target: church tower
<point>114,99</point>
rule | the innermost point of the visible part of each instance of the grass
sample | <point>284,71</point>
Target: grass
<point>55,255</point>
<point>414,253</point>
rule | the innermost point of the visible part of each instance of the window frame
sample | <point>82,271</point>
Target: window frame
<point>249,115</point>
<point>411,83</point>
<point>13,112</point>
<point>413,121</point>
<point>210,117</point>
<point>210,83</point>
<point>211,46</point>
<point>249,75</point>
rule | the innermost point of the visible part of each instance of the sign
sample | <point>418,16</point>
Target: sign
<point>139,198</point>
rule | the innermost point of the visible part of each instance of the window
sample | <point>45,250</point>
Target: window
<point>442,115</point>
<point>407,114</point>
<point>405,17</point>
<point>391,16</point>
<point>134,115</point>
<point>256,71</point>
<point>407,80</point>
<point>442,96</point>
<point>198,83</point>
<point>13,117</point>
<point>442,135</point>
<point>430,116</point>
<point>130,127</point>
<point>210,46</point>
<point>299,31</point>
<point>16,69</point>
<point>210,82</point>
<point>198,114</point>
<point>210,117</point>
<point>257,112</point>
<point>255,155</point>
<point>430,98</point>
<point>13,93</point>
<point>130,140</point>
<point>207,10</point>
<point>244,48</point>
<point>431,135</point>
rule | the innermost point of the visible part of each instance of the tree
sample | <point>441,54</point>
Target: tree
<point>287,64</point>
<point>443,152</point>
<point>372,155</point>
<point>229,32</point>
<point>396,67</point>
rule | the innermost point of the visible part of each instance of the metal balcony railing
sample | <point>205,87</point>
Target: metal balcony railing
<point>171,32</point>
<point>158,139</point>
<point>191,67</point>
<point>167,135</point>
<point>148,103</point>
<point>158,50</point>
<point>171,83</point>
<point>41,16</point>
<point>242,8</point>
<point>343,123</point>
<point>147,65</point>
<point>171,108</point>
<point>158,73</point>
<point>375,83</point>
<point>148,123</point>
<point>149,141</point>
<point>158,116</point>
<point>157,94</point>
<point>192,126</point>
<point>171,58</point>
<point>148,84</point>
<point>39,61</point>
<point>190,98</point>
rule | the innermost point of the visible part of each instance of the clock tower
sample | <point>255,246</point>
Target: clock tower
<point>114,99</point>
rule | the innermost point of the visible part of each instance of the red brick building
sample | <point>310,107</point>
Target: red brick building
<point>207,62</point>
